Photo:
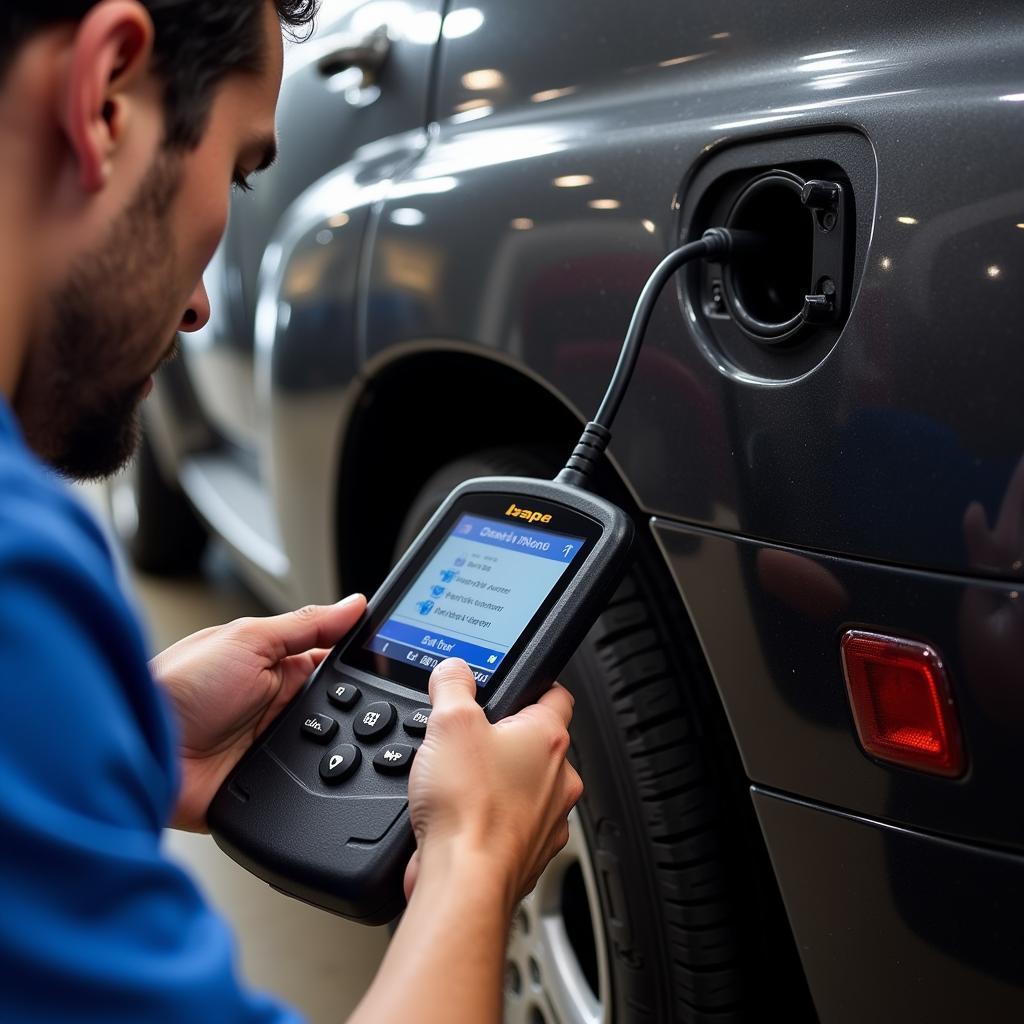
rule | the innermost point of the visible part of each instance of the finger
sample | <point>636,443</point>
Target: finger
<point>530,885</point>
<point>559,839</point>
<point>556,841</point>
<point>573,787</point>
<point>561,701</point>
<point>314,626</point>
<point>452,685</point>
<point>299,667</point>
<point>412,873</point>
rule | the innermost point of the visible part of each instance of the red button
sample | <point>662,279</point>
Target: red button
<point>901,701</point>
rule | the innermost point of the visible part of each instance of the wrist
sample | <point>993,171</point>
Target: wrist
<point>470,874</point>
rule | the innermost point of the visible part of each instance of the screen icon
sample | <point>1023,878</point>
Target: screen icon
<point>437,591</point>
<point>448,575</point>
<point>425,607</point>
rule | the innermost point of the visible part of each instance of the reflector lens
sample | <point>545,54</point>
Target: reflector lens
<point>901,702</point>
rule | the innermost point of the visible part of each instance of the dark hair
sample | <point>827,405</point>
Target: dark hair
<point>198,44</point>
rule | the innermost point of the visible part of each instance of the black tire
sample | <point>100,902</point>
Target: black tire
<point>694,929</point>
<point>157,527</point>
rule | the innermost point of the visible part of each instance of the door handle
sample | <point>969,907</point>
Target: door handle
<point>369,54</point>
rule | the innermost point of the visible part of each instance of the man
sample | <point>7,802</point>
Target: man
<point>123,124</point>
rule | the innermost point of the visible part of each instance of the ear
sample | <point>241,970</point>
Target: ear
<point>111,54</point>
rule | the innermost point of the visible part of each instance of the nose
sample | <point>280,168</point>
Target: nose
<point>197,315</point>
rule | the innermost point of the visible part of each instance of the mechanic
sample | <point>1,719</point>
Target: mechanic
<point>123,125</point>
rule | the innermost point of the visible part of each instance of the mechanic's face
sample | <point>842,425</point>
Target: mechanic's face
<point>114,317</point>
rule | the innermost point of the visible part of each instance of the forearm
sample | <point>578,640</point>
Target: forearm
<point>445,964</point>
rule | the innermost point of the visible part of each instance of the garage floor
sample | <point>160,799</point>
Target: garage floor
<point>317,963</point>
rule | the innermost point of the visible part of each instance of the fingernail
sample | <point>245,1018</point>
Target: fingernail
<point>452,665</point>
<point>351,599</point>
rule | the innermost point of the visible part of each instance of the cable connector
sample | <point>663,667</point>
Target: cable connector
<point>719,242</point>
<point>716,244</point>
<point>586,456</point>
<point>725,243</point>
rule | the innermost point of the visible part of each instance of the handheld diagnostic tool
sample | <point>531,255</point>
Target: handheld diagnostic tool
<point>508,575</point>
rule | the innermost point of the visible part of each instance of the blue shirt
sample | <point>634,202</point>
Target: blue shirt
<point>95,923</point>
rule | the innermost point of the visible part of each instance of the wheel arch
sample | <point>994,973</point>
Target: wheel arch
<point>419,409</point>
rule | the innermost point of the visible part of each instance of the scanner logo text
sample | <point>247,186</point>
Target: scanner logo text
<point>524,513</point>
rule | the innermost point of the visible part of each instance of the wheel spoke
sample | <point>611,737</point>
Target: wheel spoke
<point>544,978</point>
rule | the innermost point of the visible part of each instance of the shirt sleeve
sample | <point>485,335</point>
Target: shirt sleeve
<point>95,923</point>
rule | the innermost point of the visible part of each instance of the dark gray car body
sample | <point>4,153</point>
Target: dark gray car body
<point>424,276</point>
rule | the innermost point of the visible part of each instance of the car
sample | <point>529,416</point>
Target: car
<point>800,718</point>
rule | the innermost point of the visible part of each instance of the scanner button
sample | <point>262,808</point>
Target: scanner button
<point>376,720</point>
<point>339,763</point>
<point>319,727</point>
<point>394,759</point>
<point>416,723</point>
<point>343,695</point>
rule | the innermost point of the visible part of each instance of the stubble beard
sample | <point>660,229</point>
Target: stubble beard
<point>79,403</point>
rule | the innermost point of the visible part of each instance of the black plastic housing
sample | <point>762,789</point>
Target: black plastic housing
<point>345,849</point>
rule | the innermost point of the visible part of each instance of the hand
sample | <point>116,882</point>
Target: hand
<point>228,683</point>
<point>496,794</point>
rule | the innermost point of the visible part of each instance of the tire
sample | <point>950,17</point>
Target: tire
<point>157,527</point>
<point>663,907</point>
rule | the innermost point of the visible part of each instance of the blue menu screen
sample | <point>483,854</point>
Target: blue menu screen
<point>475,595</point>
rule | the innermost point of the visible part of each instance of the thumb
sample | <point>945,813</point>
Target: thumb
<point>452,685</point>
<point>311,627</point>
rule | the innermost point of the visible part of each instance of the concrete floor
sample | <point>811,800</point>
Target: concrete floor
<point>319,964</point>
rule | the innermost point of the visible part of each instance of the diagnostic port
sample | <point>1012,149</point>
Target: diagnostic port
<point>765,287</point>
<point>773,288</point>
<point>799,209</point>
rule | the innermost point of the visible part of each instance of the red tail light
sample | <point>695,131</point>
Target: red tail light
<point>901,702</point>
